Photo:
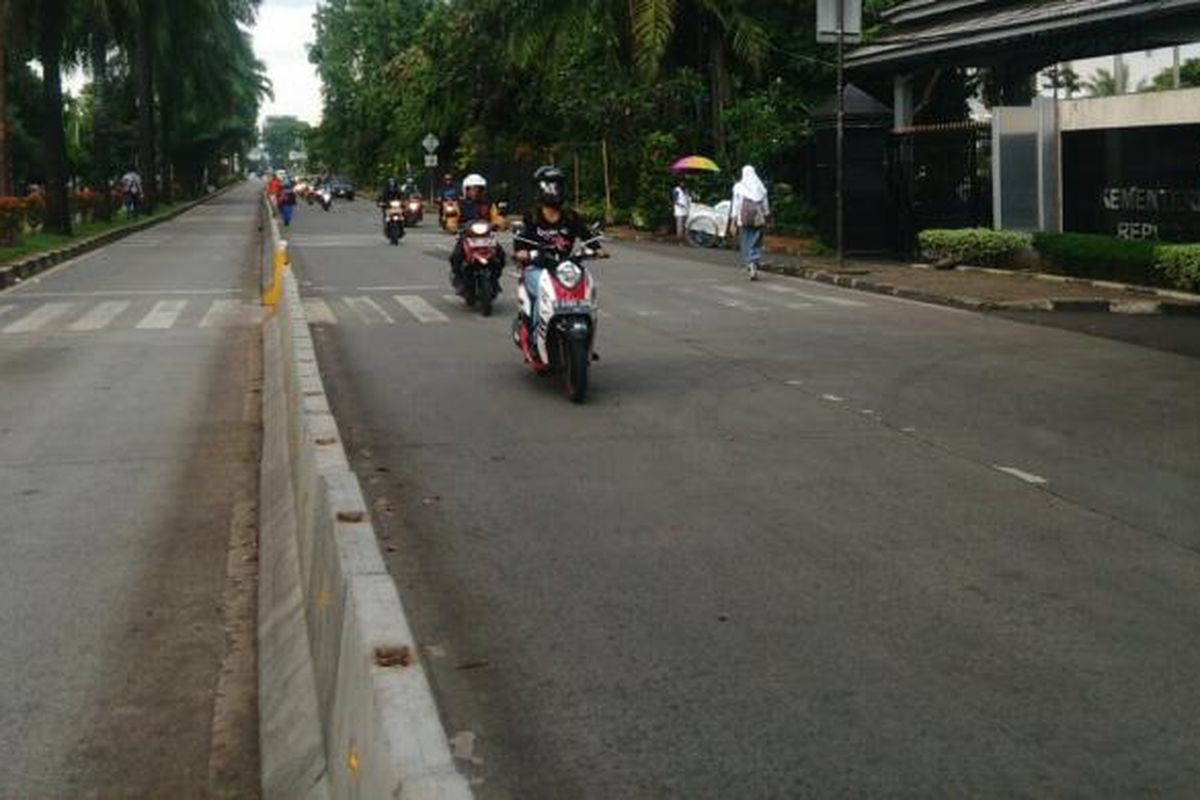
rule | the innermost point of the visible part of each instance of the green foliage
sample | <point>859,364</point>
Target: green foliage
<point>281,135</point>
<point>1178,266</point>
<point>659,150</point>
<point>1097,256</point>
<point>1189,76</point>
<point>975,246</point>
<point>789,211</point>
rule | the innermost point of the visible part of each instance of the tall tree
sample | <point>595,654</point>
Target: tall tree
<point>51,24</point>
<point>5,167</point>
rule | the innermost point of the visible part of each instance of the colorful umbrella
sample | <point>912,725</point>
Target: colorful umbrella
<point>697,163</point>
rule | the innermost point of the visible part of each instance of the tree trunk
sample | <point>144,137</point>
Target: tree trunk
<point>101,135</point>
<point>6,187</point>
<point>144,81</point>
<point>718,71</point>
<point>54,140</point>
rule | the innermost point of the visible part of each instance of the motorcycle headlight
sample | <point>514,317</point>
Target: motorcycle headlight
<point>569,274</point>
<point>394,204</point>
<point>480,228</point>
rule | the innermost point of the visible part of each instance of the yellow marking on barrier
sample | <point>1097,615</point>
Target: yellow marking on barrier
<point>352,760</point>
<point>280,262</point>
<point>322,600</point>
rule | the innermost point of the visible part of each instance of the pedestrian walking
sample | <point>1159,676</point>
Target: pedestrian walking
<point>682,203</point>
<point>287,201</point>
<point>131,190</point>
<point>274,189</point>
<point>750,212</point>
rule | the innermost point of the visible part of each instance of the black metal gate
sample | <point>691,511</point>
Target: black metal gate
<point>940,176</point>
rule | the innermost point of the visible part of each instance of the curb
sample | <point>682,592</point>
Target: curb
<point>13,273</point>
<point>1174,302</point>
<point>1179,306</point>
<point>345,707</point>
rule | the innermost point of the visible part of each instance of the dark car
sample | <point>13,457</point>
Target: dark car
<point>341,186</point>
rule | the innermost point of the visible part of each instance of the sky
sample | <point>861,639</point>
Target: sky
<point>284,28</point>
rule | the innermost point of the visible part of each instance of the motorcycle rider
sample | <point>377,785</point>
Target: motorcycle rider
<point>475,206</point>
<point>551,225</point>
<point>390,191</point>
<point>410,188</point>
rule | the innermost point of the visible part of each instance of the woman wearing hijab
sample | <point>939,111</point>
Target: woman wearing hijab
<point>750,212</point>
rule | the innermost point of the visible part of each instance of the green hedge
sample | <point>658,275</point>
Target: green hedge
<point>1178,265</point>
<point>976,246</point>
<point>1138,261</point>
<point>1091,255</point>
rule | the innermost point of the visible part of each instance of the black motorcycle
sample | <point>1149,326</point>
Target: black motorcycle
<point>393,221</point>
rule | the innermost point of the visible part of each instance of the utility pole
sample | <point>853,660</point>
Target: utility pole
<point>841,134</point>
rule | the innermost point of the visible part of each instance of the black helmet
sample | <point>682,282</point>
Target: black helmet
<point>548,185</point>
<point>392,183</point>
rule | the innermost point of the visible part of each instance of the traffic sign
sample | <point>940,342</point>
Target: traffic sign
<point>431,160</point>
<point>430,143</point>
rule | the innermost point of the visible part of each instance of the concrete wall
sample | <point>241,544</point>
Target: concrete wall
<point>1176,107</point>
<point>345,706</point>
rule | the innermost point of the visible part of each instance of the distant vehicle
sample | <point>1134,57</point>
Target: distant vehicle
<point>341,186</point>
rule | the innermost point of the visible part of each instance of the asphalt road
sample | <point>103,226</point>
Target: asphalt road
<point>801,541</point>
<point>128,477</point>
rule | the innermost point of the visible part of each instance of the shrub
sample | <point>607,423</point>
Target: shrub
<point>979,246</point>
<point>1096,256</point>
<point>35,210</point>
<point>659,149</point>
<point>1178,265</point>
<point>12,219</point>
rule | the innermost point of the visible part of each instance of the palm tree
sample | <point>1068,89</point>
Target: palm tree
<point>1106,84</point>
<point>720,28</point>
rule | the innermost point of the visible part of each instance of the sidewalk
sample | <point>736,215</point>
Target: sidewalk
<point>975,288</point>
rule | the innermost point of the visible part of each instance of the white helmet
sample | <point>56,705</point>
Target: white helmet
<point>474,179</point>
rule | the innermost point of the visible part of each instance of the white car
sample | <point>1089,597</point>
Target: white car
<point>707,225</point>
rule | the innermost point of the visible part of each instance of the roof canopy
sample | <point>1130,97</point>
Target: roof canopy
<point>1027,33</point>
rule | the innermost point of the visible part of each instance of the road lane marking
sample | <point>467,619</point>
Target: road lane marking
<point>223,313</point>
<point>1028,477</point>
<point>833,398</point>
<point>162,316</point>
<point>414,288</point>
<point>318,312</point>
<point>819,298</point>
<point>419,307</point>
<point>133,293</point>
<point>369,311</point>
<point>99,316</point>
<point>38,318</point>
<point>452,299</point>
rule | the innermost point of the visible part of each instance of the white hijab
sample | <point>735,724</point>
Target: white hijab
<point>750,187</point>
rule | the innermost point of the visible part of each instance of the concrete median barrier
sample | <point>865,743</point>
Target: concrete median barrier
<point>345,706</point>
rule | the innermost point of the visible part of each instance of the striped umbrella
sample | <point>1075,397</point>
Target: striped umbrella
<point>695,164</point>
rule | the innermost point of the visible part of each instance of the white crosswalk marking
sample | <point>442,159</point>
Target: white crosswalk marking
<point>368,310</point>
<point>163,315</point>
<point>99,316</point>
<point>38,318</point>
<point>818,298</point>
<point>318,312</point>
<point>419,307</point>
<point>225,312</point>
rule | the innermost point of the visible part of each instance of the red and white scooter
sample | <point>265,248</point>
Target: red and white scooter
<point>564,315</point>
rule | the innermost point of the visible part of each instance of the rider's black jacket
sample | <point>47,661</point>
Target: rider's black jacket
<point>560,235</point>
<point>389,193</point>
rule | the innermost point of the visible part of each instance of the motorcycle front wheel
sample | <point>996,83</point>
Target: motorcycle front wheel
<point>575,368</point>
